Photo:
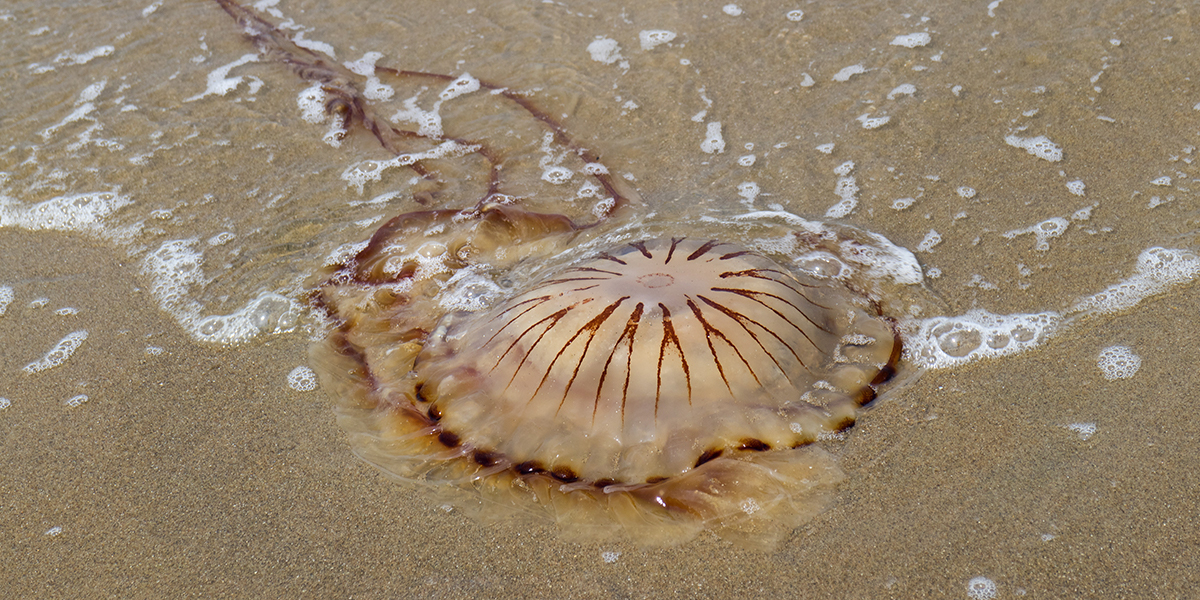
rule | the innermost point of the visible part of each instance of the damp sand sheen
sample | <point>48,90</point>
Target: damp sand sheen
<point>996,257</point>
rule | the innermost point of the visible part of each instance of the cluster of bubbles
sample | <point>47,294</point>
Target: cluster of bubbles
<point>941,342</point>
<point>1118,362</point>
<point>302,379</point>
<point>981,588</point>
<point>59,353</point>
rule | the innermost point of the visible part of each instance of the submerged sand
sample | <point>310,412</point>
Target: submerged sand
<point>192,469</point>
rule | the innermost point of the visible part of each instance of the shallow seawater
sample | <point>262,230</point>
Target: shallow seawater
<point>162,192</point>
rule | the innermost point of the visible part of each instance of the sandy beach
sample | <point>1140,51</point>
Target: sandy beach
<point>191,468</point>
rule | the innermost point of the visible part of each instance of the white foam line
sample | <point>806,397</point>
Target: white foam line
<point>77,212</point>
<point>949,341</point>
<point>175,267</point>
<point>1158,270</point>
<point>1039,146</point>
<point>359,174</point>
<point>59,353</point>
<point>219,81</point>
<point>6,298</point>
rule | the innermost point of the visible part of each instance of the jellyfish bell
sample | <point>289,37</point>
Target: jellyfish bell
<point>652,390</point>
<point>644,358</point>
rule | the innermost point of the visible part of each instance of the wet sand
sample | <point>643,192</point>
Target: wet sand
<point>198,472</point>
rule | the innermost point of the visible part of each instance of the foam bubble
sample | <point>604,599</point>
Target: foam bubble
<point>315,45</point>
<point>869,122</point>
<point>847,72</point>
<point>826,148</point>
<point>266,313</point>
<point>981,588</point>
<point>977,281</point>
<point>302,379</point>
<point>68,58</point>
<point>864,252</point>
<point>912,40</point>
<point>966,192</point>
<point>602,208</point>
<point>1158,269</point>
<point>1085,430</point>
<point>365,66</point>
<point>748,191</point>
<point>795,15</point>
<point>77,212</point>
<point>846,189</point>
<point>610,556</point>
<point>932,239</point>
<point>59,353</point>
<point>1076,187</point>
<point>557,175</point>
<point>904,89</point>
<point>269,7</point>
<point>1039,146</point>
<point>6,298</point>
<point>311,101</point>
<point>1118,362</point>
<point>359,174</point>
<point>471,290</point>
<point>588,189</point>
<point>76,401</point>
<point>883,259</point>
<point>429,122</point>
<point>713,142</point>
<point>1164,180</point>
<point>174,268</point>
<point>942,342</point>
<point>461,86</point>
<point>219,81</point>
<point>605,50</point>
<point>5,403</point>
<point>747,160</point>
<point>221,238</point>
<point>902,203</point>
<point>650,38</point>
<point>1044,231</point>
<point>732,10</point>
<point>342,254</point>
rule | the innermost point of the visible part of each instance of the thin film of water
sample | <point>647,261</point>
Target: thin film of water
<point>1008,153</point>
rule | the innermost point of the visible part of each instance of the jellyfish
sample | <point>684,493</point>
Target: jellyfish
<point>523,364</point>
<point>651,391</point>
